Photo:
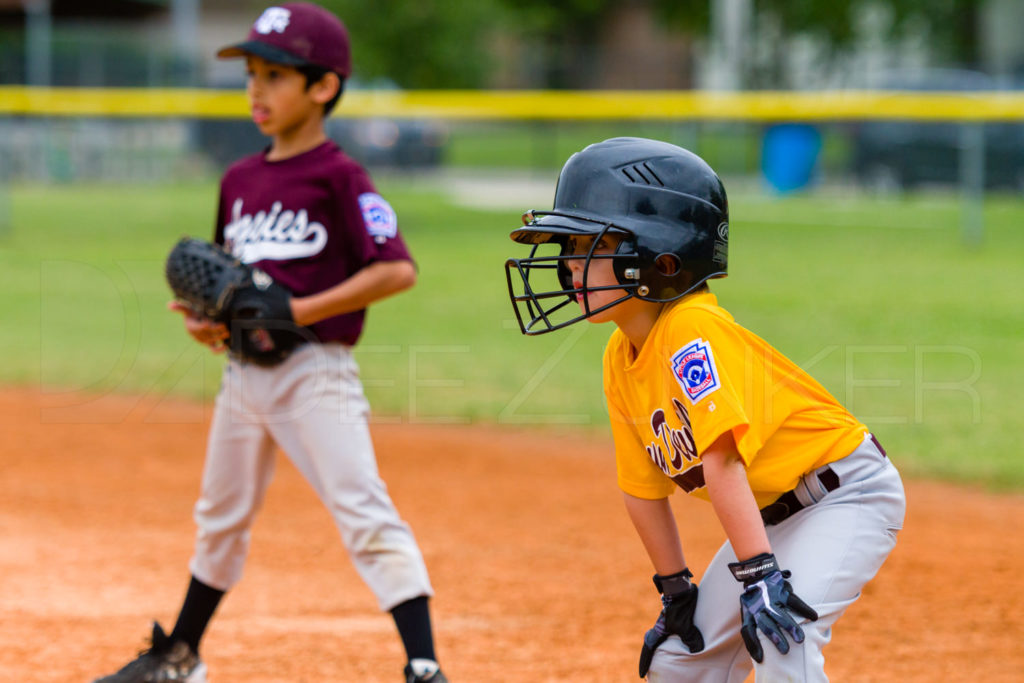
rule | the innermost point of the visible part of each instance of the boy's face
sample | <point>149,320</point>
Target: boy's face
<point>600,273</point>
<point>278,98</point>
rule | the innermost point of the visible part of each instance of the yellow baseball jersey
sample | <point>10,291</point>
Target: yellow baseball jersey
<point>700,374</point>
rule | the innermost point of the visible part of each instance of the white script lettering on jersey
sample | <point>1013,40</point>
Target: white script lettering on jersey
<point>273,19</point>
<point>276,236</point>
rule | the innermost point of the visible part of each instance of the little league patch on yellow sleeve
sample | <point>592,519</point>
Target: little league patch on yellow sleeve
<point>693,366</point>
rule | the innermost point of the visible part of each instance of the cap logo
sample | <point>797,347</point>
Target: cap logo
<point>273,19</point>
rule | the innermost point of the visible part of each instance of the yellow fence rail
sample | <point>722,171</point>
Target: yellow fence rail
<point>535,105</point>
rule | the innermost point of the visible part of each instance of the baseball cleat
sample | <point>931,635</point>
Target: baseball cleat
<point>165,660</point>
<point>424,671</point>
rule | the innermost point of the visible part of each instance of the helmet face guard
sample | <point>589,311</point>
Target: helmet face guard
<point>541,310</point>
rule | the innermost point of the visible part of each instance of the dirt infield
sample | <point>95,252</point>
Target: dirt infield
<point>539,576</point>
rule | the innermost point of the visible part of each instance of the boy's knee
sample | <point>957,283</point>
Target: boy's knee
<point>803,663</point>
<point>673,662</point>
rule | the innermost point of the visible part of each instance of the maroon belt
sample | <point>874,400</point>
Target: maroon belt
<point>788,504</point>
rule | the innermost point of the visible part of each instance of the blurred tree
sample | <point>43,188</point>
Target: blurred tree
<point>443,44</point>
<point>565,33</point>
<point>421,43</point>
<point>558,34</point>
<point>953,24</point>
<point>581,19</point>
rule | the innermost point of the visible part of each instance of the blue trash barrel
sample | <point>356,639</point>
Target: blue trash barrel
<point>789,155</point>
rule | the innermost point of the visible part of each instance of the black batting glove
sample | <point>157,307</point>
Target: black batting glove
<point>766,603</point>
<point>678,600</point>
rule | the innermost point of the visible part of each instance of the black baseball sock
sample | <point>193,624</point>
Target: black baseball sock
<point>200,603</point>
<point>413,621</point>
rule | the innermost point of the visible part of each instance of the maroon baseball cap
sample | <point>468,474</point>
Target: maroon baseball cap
<point>294,34</point>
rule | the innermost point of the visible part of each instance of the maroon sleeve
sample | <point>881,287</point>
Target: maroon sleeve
<point>378,224</point>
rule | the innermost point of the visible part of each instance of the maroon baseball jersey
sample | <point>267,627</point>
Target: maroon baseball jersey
<point>309,222</point>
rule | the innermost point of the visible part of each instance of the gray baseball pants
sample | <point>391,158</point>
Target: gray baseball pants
<point>312,406</point>
<point>833,546</point>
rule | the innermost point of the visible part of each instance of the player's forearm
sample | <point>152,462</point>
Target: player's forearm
<point>734,503</point>
<point>373,283</point>
<point>656,526</point>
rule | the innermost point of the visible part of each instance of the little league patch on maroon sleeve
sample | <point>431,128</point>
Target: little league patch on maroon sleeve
<point>694,368</point>
<point>380,219</point>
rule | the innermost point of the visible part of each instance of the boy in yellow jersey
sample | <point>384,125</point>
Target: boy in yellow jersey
<point>808,500</point>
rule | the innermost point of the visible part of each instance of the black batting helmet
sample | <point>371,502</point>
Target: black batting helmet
<point>667,206</point>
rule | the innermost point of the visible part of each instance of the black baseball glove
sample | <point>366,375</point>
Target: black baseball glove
<point>679,600</point>
<point>766,603</point>
<point>255,309</point>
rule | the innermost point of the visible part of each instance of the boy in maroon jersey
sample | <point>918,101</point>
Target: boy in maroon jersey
<point>309,216</point>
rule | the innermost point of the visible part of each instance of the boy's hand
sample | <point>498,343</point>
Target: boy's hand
<point>679,600</point>
<point>203,330</point>
<point>766,603</point>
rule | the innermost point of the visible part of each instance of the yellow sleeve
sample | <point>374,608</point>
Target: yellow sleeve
<point>637,474</point>
<point>712,365</point>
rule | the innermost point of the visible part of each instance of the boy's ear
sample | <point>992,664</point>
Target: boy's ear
<point>326,88</point>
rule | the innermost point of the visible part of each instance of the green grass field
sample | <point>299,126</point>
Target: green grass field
<point>918,334</point>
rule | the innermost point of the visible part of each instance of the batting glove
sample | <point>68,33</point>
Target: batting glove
<point>766,603</point>
<point>678,600</point>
